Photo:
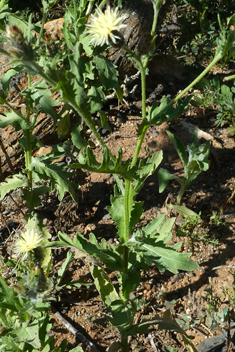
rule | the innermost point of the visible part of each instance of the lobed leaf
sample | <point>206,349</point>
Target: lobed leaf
<point>58,177</point>
<point>12,183</point>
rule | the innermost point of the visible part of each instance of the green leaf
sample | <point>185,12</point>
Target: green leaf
<point>147,168</point>
<point>64,267</point>
<point>8,297</point>
<point>107,72</point>
<point>104,285</point>
<point>14,119</point>
<point>152,227</point>
<point>42,97</point>
<point>8,76</point>
<point>184,211</point>
<point>58,177</point>
<point>108,256</point>
<point>132,279</point>
<point>157,114</point>
<point>179,147</point>
<point>12,183</point>
<point>153,250</point>
<point>88,162</point>
<point>164,176</point>
<point>122,315</point>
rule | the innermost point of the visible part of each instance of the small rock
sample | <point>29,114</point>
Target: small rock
<point>213,344</point>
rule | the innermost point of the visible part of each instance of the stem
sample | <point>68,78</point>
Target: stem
<point>28,152</point>
<point>125,344</point>
<point>181,192</point>
<point>44,17</point>
<point>207,69</point>
<point>156,7</point>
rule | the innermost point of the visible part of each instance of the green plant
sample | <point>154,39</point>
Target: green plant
<point>83,76</point>
<point>190,228</point>
<point>194,158</point>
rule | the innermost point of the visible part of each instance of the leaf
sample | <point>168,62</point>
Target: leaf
<point>12,183</point>
<point>88,162</point>
<point>13,119</point>
<point>122,315</point>
<point>8,76</point>
<point>164,176</point>
<point>9,297</point>
<point>106,71</point>
<point>43,100</point>
<point>157,114</point>
<point>152,227</point>
<point>163,232</point>
<point>104,285</point>
<point>147,168</point>
<point>166,258</point>
<point>108,256</point>
<point>64,267</point>
<point>184,211</point>
<point>76,137</point>
<point>53,172</point>
<point>180,148</point>
<point>117,209</point>
<point>132,279</point>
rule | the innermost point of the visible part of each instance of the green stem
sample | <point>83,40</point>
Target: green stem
<point>141,137</point>
<point>28,152</point>
<point>181,192</point>
<point>44,17</point>
<point>156,7</point>
<point>125,344</point>
<point>213,62</point>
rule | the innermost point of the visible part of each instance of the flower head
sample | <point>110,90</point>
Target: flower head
<point>28,241</point>
<point>105,27</point>
<point>19,46</point>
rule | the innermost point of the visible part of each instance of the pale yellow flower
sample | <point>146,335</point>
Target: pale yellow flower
<point>28,241</point>
<point>105,27</point>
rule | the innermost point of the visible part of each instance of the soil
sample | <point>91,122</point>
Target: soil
<point>187,294</point>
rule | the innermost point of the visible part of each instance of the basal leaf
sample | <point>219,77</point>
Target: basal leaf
<point>164,231</point>
<point>12,183</point>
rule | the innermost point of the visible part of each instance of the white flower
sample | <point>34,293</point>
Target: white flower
<point>28,241</point>
<point>105,27</point>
